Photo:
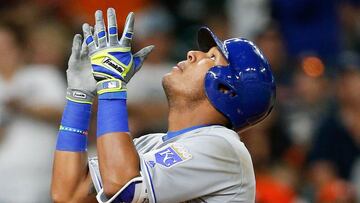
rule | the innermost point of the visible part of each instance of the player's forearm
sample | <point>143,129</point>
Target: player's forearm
<point>70,179</point>
<point>69,175</point>
<point>119,161</point>
<point>118,158</point>
<point>113,66</point>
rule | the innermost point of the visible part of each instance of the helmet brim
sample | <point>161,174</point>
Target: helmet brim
<point>207,39</point>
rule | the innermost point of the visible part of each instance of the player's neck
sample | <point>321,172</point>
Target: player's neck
<point>181,117</point>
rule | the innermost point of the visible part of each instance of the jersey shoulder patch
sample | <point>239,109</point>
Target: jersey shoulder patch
<point>171,155</point>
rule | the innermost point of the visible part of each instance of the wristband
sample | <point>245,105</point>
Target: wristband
<point>112,113</point>
<point>74,126</point>
<point>74,130</point>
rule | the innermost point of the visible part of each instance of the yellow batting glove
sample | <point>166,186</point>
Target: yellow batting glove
<point>112,62</point>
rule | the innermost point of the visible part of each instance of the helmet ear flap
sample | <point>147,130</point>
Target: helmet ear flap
<point>219,88</point>
<point>216,83</point>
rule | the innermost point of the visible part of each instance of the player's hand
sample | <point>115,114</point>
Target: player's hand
<point>81,82</point>
<point>112,58</point>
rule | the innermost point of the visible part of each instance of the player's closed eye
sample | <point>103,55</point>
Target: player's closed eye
<point>213,57</point>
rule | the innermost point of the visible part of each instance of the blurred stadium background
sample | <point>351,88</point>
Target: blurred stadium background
<point>306,151</point>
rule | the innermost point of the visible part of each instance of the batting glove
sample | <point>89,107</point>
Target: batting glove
<point>112,62</point>
<point>81,82</point>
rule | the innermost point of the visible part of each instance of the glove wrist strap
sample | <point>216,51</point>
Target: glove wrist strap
<point>79,96</point>
<point>110,85</point>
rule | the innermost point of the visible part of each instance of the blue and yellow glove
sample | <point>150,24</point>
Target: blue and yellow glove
<point>113,65</point>
<point>112,62</point>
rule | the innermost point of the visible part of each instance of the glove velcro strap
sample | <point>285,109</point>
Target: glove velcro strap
<point>110,85</point>
<point>79,96</point>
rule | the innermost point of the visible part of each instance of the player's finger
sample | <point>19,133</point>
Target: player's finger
<point>92,31</point>
<point>112,27</point>
<point>89,39</point>
<point>76,46</point>
<point>128,30</point>
<point>141,55</point>
<point>100,29</point>
<point>84,53</point>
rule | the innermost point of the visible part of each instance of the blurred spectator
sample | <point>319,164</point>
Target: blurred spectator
<point>11,43</point>
<point>189,15</point>
<point>338,139</point>
<point>202,9</point>
<point>275,180</point>
<point>23,13</point>
<point>309,27</point>
<point>48,44</point>
<point>147,102</point>
<point>307,106</point>
<point>328,187</point>
<point>35,97</point>
<point>276,186</point>
<point>248,17</point>
<point>337,144</point>
<point>267,142</point>
<point>350,22</point>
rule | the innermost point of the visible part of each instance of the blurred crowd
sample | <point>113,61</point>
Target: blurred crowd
<point>307,150</point>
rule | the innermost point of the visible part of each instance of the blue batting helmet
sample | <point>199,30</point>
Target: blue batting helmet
<point>244,90</point>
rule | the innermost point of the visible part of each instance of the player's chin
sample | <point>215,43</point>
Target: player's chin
<point>170,79</point>
<point>166,83</point>
<point>166,79</point>
<point>172,74</point>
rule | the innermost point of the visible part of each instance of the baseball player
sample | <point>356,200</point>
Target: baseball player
<point>223,88</point>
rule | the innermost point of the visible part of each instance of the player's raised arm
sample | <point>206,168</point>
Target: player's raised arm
<point>113,66</point>
<point>71,181</point>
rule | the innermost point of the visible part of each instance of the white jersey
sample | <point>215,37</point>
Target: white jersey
<point>199,164</point>
<point>27,147</point>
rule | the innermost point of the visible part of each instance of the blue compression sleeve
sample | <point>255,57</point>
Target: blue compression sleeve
<point>112,113</point>
<point>74,127</point>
